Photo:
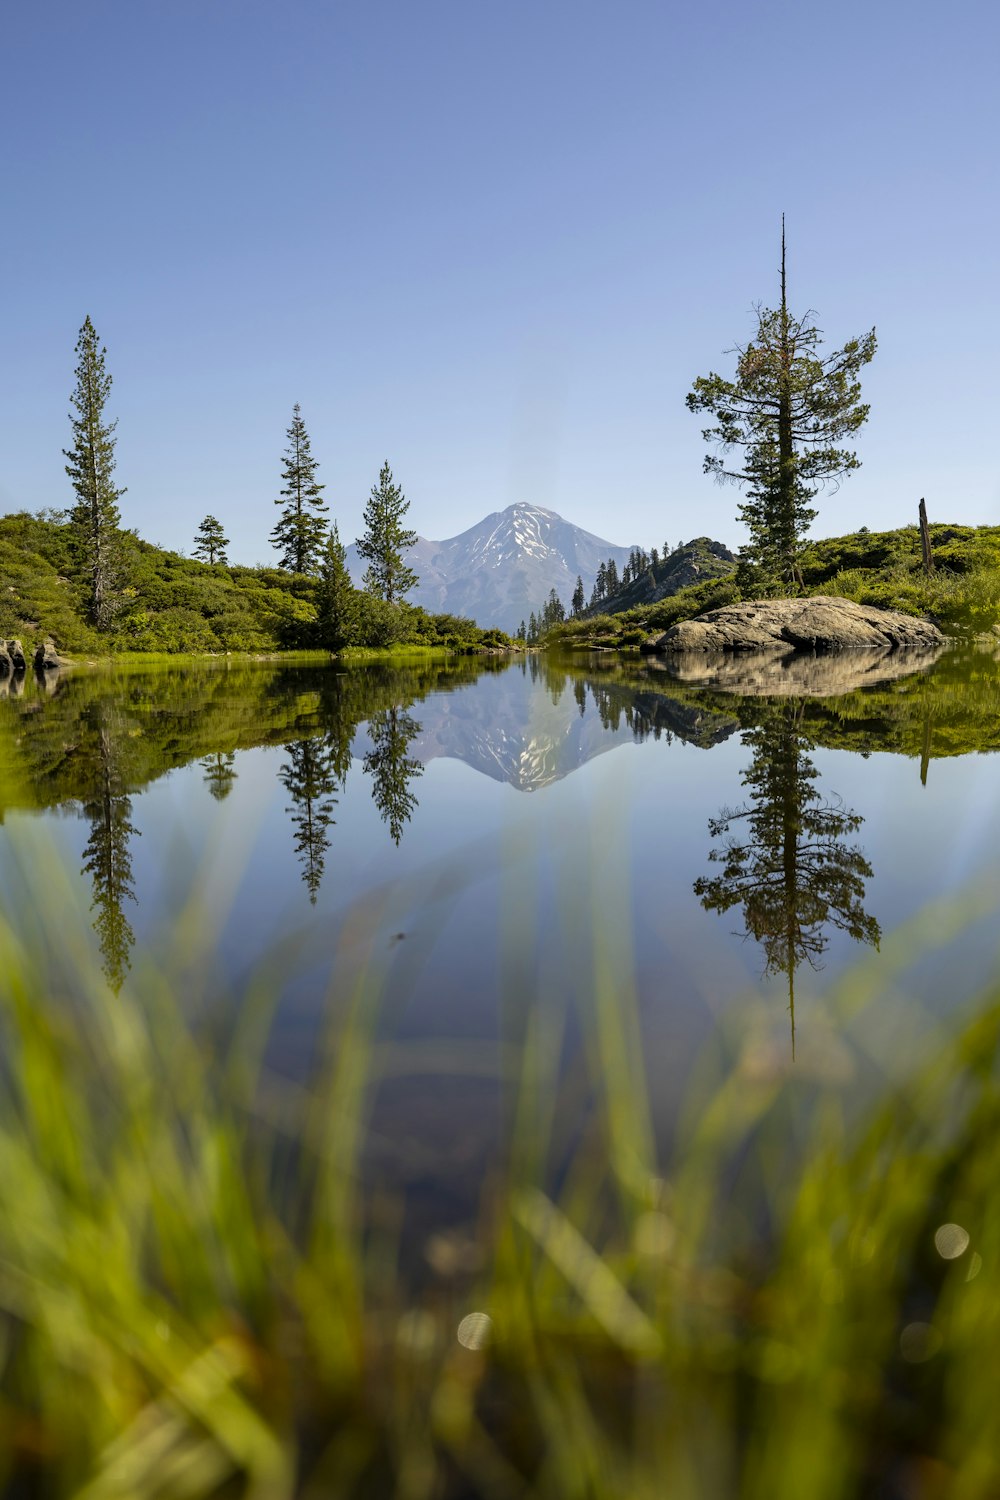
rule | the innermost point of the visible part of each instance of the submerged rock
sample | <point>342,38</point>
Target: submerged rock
<point>819,624</point>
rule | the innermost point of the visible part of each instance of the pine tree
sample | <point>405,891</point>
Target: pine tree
<point>299,534</point>
<point>336,611</point>
<point>385,541</point>
<point>611,578</point>
<point>95,517</point>
<point>787,408</point>
<point>553,611</point>
<point>210,542</point>
<point>578,597</point>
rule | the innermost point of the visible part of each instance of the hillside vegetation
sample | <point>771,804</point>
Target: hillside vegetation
<point>881,568</point>
<point>176,604</point>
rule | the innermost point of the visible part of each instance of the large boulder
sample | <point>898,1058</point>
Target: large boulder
<point>15,652</point>
<point>819,624</point>
<point>47,658</point>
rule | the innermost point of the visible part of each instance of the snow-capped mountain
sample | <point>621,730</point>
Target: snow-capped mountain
<point>505,566</point>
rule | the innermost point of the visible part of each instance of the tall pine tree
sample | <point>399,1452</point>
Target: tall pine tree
<point>787,409</point>
<point>386,539</point>
<point>300,532</point>
<point>95,518</point>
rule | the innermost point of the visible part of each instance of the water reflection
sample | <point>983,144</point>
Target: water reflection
<point>107,856</point>
<point>220,773</point>
<point>391,769</point>
<point>309,778</point>
<point>786,856</point>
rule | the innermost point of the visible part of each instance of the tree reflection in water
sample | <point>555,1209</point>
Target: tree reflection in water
<point>220,773</point>
<point>785,856</point>
<point>107,857</point>
<point>391,769</point>
<point>310,778</point>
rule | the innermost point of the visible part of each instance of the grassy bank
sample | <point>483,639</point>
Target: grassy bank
<point>359,655</point>
<point>403,655</point>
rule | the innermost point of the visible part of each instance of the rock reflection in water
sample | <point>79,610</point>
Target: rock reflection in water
<point>798,674</point>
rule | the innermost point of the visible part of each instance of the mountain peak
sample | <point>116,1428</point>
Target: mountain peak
<point>504,567</point>
<point>525,507</point>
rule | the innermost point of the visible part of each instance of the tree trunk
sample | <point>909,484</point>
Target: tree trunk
<point>925,540</point>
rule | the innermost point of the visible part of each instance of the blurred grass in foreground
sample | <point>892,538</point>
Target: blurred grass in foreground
<point>200,1295</point>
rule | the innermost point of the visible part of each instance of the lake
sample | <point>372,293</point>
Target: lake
<point>530,919</point>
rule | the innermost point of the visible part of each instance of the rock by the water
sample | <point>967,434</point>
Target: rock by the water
<point>15,654</point>
<point>47,658</point>
<point>823,623</point>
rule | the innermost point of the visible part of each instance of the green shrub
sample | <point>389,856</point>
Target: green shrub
<point>378,624</point>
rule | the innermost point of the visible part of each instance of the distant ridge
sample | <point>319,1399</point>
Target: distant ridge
<point>691,563</point>
<point>505,566</point>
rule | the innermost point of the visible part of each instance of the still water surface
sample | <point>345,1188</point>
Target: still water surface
<point>491,838</point>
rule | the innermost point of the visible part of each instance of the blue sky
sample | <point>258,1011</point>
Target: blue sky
<point>493,244</point>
